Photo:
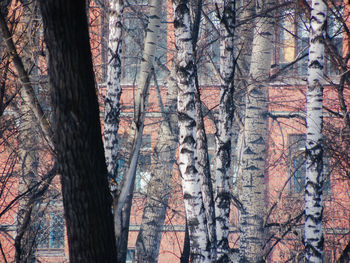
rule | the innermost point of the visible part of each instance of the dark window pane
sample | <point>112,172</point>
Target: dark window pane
<point>56,230</point>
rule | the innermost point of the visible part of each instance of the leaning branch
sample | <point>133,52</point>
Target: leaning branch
<point>29,95</point>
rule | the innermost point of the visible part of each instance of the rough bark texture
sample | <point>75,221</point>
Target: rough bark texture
<point>184,67</point>
<point>112,101</point>
<point>244,38</point>
<point>314,146</point>
<point>149,237</point>
<point>203,164</point>
<point>253,158</point>
<point>78,141</point>
<point>205,177</point>
<point>224,132</point>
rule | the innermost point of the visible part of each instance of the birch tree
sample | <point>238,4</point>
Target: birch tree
<point>184,67</point>
<point>205,177</point>
<point>243,39</point>
<point>78,139</point>
<point>124,199</point>
<point>113,93</point>
<point>224,132</point>
<point>314,145</point>
<point>203,164</point>
<point>253,157</point>
<point>158,190</point>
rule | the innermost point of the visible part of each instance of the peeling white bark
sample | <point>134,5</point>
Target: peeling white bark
<point>253,158</point>
<point>122,208</point>
<point>314,146</point>
<point>224,133</point>
<point>158,189</point>
<point>184,67</point>
<point>205,178</point>
<point>113,92</point>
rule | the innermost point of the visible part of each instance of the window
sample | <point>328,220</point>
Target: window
<point>303,28</point>
<point>143,173</point>
<point>287,41</point>
<point>143,166</point>
<point>51,228</point>
<point>335,32</point>
<point>297,165</point>
<point>133,40</point>
<point>293,41</point>
<point>211,152</point>
<point>130,255</point>
<point>296,144</point>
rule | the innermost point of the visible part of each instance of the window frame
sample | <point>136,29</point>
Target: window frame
<point>46,221</point>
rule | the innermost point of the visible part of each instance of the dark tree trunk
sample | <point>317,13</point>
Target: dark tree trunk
<point>78,141</point>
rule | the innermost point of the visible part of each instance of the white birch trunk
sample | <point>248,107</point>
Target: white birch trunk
<point>113,93</point>
<point>126,192</point>
<point>224,133</point>
<point>147,57</point>
<point>205,178</point>
<point>253,158</point>
<point>158,189</point>
<point>314,146</point>
<point>184,66</point>
<point>244,38</point>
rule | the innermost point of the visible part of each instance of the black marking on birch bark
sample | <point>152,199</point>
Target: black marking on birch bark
<point>191,169</point>
<point>253,108</point>
<point>180,11</point>
<point>188,196</point>
<point>260,141</point>
<point>315,64</point>
<point>185,117</point>
<point>265,34</point>
<point>224,199</point>
<point>248,151</point>
<point>252,168</point>
<point>315,219</point>
<point>257,91</point>
<point>185,150</point>
<point>189,140</point>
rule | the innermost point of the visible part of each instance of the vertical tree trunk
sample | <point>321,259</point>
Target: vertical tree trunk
<point>158,189</point>
<point>253,158</point>
<point>205,178</point>
<point>78,141</point>
<point>184,67</point>
<point>224,132</point>
<point>122,207</point>
<point>244,39</point>
<point>203,164</point>
<point>112,101</point>
<point>112,108</point>
<point>314,145</point>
